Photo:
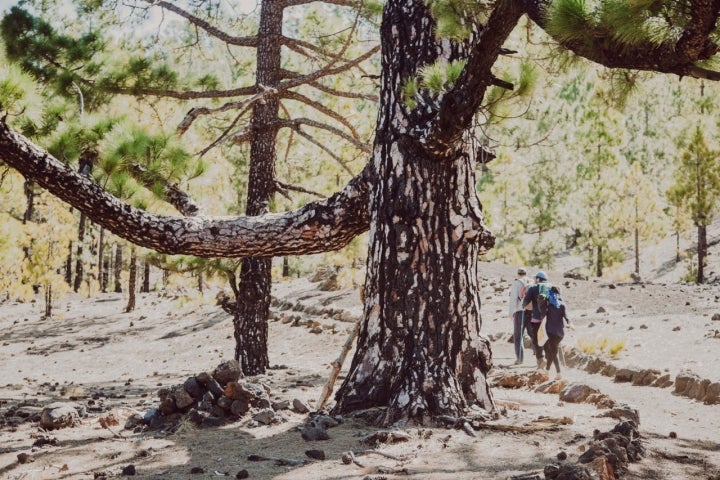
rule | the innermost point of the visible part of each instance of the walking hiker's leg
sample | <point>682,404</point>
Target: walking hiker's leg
<point>518,336</point>
<point>553,342</point>
<point>534,329</point>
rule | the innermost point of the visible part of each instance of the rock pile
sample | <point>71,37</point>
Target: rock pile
<point>212,399</point>
<point>687,384</point>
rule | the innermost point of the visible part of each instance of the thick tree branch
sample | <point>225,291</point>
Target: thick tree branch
<point>204,25</point>
<point>317,227</point>
<point>694,45</point>
<point>459,105</point>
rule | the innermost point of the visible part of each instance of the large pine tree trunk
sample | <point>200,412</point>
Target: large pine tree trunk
<point>253,299</point>
<point>79,253</point>
<point>419,351</point>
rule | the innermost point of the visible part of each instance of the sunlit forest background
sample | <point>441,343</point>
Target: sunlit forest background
<point>578,161</point>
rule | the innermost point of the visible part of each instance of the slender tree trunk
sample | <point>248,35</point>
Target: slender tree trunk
<point>599,262</point>
<point>106,270</point>
<point>86,161</point>
<point>132,280</point>
<point>637,239</point>
<point>253,299</point>
<point>101,258</point>
<point>146,278</point>
<point>117,270</point>
<point>677,246</point>
<point>200,282</point>
<point>79,253</point>
<point>68,264</point>
<point>48,300</point>
<point>286,267</point>
<point>28,187</point>
<point>419,351</point>
<point>637,251</point>
<point>702,253</point>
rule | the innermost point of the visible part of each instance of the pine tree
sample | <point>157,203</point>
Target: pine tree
<point>420,354</point>
<point>697,190</point>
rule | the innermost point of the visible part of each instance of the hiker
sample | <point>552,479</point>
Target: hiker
<point>533,297</point>
<point>555,327</point>
<point>516,311</point>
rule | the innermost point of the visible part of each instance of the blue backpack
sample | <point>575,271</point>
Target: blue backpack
<point>547,295</point>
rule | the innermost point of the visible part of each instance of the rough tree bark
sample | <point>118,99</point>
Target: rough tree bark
<point>253,292</point>
<point>420,352</point>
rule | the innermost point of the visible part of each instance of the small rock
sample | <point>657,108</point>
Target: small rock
<point>229,371</point>
<point>577,393</point>
<point>600,310</point>
<point>672,435</point>
<point>311,433</point>
<point>24,458</point>
<point>315,454</point>
<point>182,398</point>
<point>562,456</point>
<point>281,405</point>
<point>59,415</point>
<point>242,474</point>
<point>266,417</point>
<point>300,407</point>
<point>195,470</point>
<point>129,471</point>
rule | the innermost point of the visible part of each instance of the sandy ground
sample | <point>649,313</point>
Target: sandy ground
<point>96,354</point>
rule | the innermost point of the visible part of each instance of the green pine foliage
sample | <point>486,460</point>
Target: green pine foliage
<point>697,179</point>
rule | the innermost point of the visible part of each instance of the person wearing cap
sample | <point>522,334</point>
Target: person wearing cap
<point>515,309</point>
<point>531,298</point>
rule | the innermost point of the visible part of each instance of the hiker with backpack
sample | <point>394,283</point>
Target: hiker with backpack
<point>538,296</point>
<point>515,308</point>
<point>555,327</point>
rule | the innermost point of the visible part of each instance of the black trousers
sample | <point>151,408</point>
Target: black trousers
<point>551,348</point>
<point>533,329</point>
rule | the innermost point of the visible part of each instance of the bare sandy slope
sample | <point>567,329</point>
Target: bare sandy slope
<point>94,353</point>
